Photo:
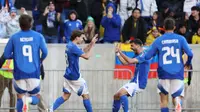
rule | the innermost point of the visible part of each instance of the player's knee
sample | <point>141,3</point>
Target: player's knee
<point>66,96</point>
<point>85,96</point>
<point>117,96</point>
<point>20,96</point>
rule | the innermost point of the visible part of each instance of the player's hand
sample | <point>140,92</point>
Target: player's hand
<point>187,67</point>
<point>117,48</point>
<point>94,39</point>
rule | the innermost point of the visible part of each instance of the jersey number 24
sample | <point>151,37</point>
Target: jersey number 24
<point>170,51</point>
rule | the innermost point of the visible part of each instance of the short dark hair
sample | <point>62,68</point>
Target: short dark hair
<point>137,42</point>
<point>76,33</point>
<point>25,22</point>
<point>169,24</point>
<point>195,8</point>
<point>136,9</point>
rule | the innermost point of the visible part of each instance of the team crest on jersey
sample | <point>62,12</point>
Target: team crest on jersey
<point>70,24</point>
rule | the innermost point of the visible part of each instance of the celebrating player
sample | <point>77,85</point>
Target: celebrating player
<point>170,48</point>
<point>24,47</point>
<point>73,80</point>
<point>139,81</point>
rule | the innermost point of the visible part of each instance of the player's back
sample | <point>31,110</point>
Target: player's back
<point>170,50</point>
<point>26,52</point>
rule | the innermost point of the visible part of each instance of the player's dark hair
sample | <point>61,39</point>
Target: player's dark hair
<point>137,42</point>
<point>169,24</point>
<point>76,33</point>
<point>25,22</point>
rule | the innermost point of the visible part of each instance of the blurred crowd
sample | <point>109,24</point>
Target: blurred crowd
<point>113,20</point>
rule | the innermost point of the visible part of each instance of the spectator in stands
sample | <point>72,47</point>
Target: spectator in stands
<point>11,21</point>
<point>194,19</point>
<point>98,10</point>
<point>147,7</point>
<point>7,5</point>
<point>112,24</point>
<point>135,27</point>
<point>50,23</point>
<point>153,34</point>
<point>196,37</point>
<point>80,6</point>
<point>124,9</point>
<point>64,7</point>
<point>183,30</point>
<point>71,24</point>
<point>37,25</point>
<point>90,30</point>
<point>188,4</point>
<point>156,20</point>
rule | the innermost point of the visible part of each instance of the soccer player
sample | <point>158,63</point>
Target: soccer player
<point>170,48</point>
<point>138,82</point>
<point>25,47</point>
<point>73,80</point>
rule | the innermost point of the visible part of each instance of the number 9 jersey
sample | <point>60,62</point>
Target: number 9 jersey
<point>169,48</point>
<point>25,47</point>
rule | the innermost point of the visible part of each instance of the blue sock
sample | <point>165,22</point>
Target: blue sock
<point>124,102</point>
<point>58,102</point>
<point>116,106</point>
<point>19,105</point>
<point>165,109</point>
<point>87,105</point>
<point>35,100</point>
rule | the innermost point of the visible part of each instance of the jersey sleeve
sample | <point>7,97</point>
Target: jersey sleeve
<point>43,48</point>
<point>188,51</point>
<point>8,51</point>
<point>77,51</point>
<point>151,51</point>
<point>141,58</point>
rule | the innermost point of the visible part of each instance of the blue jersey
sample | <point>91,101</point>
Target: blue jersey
<point>141,71</point>
<point>24,47</point>
<point>70,26</point>
<point>169,48</point>
<point>72,57</point>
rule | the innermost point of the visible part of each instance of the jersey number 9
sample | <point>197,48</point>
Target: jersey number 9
<point>27,51</point>
<point>170,52</point>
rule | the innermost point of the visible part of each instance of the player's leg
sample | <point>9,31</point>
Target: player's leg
<point>59,101</point>
<point>177,90</point>
<point>120,98</point>
<point>87,103</point>
<point>66,94</point>
<point>128,89</point>
<point>163,88</point>
<point>20,88</point>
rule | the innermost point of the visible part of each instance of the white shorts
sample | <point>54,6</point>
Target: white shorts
<point>175,87</point>
<point>78,86</point>
<point>32,86</point>
<point>132,88</point>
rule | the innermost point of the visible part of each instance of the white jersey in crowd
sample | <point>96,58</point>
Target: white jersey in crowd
<point>148,7</point>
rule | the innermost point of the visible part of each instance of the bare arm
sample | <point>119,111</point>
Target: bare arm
<point>127,59</point>
<point>90,45</point>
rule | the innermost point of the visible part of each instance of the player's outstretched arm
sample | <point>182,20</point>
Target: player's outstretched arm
<point>151,52</point>
<point>88,54</point>
<point>90,45</point>
<point>43,47</point>
<point>8,51</point>
<point>127,59</point>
